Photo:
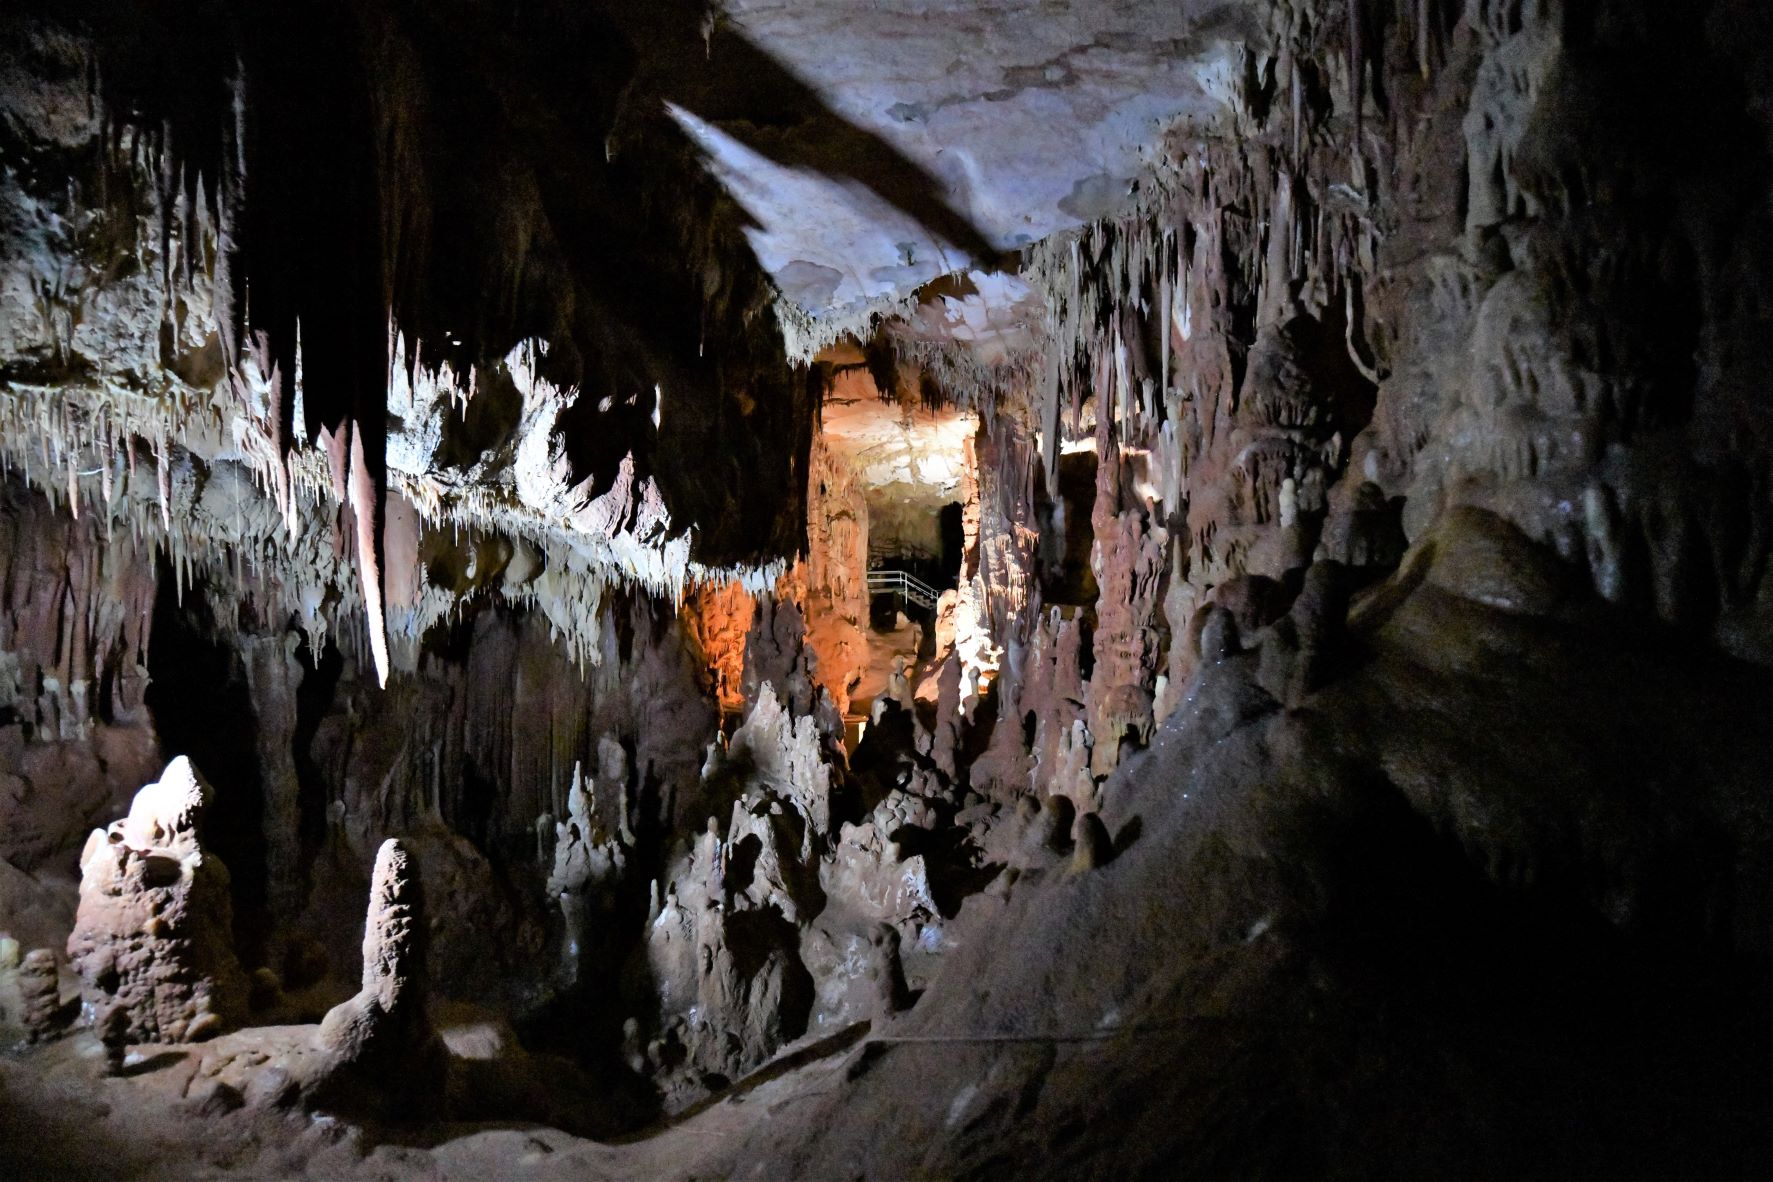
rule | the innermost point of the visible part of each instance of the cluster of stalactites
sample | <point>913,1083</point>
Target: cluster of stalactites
<point>89,435</point>
<point>1228,220</point>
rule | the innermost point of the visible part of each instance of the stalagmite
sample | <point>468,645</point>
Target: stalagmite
<point>1090,845</point>
<point>44,1014</point>
<point>152,940</point>
<point>380,1052</point>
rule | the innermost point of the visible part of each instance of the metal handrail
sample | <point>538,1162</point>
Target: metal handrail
<point>905,585</point>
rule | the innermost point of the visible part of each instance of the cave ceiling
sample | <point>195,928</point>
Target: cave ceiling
<point>937,137</point>
<point>451,267</point>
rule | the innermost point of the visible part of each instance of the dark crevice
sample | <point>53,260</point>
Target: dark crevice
<point>202,708</point>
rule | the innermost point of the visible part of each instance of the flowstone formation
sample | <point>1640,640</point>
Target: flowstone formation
<point>723,949</point>
<point>76,739</point>
<point>152,941</point>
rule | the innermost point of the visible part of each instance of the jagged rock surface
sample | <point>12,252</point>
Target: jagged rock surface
<point>153,939</point>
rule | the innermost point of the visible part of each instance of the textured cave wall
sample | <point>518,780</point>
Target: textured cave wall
<point>468,757</point>
<point>1438,255</point>
<point>75,735</point>
<point>1610,311</point>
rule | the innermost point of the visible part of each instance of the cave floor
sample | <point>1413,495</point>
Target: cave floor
<point>884,647</point>
<point>63,1117</point>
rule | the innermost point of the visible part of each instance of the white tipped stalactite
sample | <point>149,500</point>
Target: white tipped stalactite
<point>163,485</point>
<point>366,508</point>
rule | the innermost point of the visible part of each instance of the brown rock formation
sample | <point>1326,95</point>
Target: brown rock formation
<point>152,938</point>
<point>832,583</point>
<point>719,618</point>
<point>1128,560</point>
<point>75,740</point>
<point>380,1052</point>
<point>42,1011</point>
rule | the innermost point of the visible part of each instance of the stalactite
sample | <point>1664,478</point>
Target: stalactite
<point>1424,35</point>
<point>1357,66</point>
<point>163,484</point>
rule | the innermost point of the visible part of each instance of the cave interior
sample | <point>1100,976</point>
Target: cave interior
<point>886,589</point>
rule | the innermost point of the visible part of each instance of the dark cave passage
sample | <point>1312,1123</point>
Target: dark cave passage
<point>201,708</point>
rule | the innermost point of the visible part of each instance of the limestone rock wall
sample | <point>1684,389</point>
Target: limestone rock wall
<point>1436,255</point>
<point>75,621</point>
